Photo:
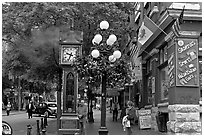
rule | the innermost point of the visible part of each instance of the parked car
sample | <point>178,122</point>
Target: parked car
<point>6,128</point>
<point>47,108</point>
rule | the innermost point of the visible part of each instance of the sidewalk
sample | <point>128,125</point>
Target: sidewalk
<point>12,112</point>
<point>114,128</point>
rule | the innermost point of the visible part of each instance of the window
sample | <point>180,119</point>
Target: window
<point>163,72</point>
<point>149,65</point>
<point>164,83</point>
<point>149,90</point>
<point>163,54</point>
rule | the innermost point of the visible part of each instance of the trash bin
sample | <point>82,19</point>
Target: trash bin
<point>161,121</point>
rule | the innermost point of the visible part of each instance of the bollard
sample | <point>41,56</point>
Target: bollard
<point>42,124</point>
<point>29,129</point>
<point>38,127</point>
<point>45,121</point>
<point>43,132</point>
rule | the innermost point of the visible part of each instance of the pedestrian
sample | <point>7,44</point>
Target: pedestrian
<point>115,111</point>
<point>126,125</point>
<point>131,112</point>
<point>8,108</point>
<point>123,112</point>
<point>82,113</point>
<point>30,108</point>
<point>129,118</point>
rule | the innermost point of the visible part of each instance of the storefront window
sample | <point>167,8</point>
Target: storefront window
<point>165,53</point>
<point>161,56</point>
<point>164,83</point>
<point>149,89</point>
<point>148,66</point>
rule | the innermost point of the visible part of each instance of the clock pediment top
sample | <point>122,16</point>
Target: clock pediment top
<point>71,37</point>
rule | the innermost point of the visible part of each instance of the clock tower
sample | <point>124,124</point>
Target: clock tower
<point>70,47</point>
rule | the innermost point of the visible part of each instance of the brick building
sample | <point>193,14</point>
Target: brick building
<point>167,39</point>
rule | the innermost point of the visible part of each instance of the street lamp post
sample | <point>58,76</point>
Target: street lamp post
<point>108,52</point>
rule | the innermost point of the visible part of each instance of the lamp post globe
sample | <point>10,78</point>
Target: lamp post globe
<point>93,41</point>
<point>117,54</point>
<point>95,53</point>
<point>111,58</point>
<point>97,38</point>
<point>109,42</point>
<point>104,25</point>
<point>112,38</point>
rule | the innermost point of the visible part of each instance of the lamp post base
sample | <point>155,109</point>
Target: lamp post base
<point>103,131</point>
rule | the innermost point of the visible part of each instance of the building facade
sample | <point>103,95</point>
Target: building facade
<point>169,45</point>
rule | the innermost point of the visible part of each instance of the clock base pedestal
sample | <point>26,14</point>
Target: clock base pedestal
<point>69,125</point>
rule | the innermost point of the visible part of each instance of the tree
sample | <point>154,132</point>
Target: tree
<point>31,31</point>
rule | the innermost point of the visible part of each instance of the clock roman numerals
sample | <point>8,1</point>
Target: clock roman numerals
<point>68,54</point>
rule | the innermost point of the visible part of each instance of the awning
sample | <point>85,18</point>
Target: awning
<point>113,91</point>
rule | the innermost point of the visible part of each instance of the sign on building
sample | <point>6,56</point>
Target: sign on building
<point>144,119</point>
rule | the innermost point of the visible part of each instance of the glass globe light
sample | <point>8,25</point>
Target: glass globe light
<point>117,54</point>
<point>97,38</point>
<point>104,25</point>
<point>111,58</point>
<point>95,53</point>
<point>109,42</point>
<point>112,38</point>
<point>93,41</point>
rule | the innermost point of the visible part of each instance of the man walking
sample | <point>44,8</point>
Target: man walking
<point>115,111</point>
<point>30,107</point>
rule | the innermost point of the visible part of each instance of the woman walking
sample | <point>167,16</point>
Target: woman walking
<point>129,119</point>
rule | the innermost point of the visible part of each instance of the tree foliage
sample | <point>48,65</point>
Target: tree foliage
<point>31,32</point>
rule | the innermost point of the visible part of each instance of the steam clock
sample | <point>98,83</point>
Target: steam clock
<point>70,48</point>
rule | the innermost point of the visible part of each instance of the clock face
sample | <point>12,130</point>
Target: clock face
<point>68,54</point>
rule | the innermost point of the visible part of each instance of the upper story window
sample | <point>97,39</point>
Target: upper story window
<point>149,65</point>
<point>163,54</point>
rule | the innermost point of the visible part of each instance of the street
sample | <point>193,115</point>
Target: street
<point>19,122</point>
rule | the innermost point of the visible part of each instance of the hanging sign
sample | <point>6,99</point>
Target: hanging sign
<point>187,62</point>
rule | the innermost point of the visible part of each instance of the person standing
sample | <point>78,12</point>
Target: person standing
<point>115,111</point>
<point>129,117</point>
<point>123,112</point>
<point>131,112</point>
<point>82,113</point>
<point>8,108</point>
<point>30,107</point>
